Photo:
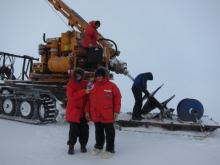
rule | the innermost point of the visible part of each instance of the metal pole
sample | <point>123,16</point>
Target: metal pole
<point>130,76</point>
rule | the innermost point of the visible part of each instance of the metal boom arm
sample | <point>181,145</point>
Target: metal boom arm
<point>74,18</point>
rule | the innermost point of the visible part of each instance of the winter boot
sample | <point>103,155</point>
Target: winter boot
<point>107,155</point>
<point>96,151</point>
<point>83,149</point>
<point>137,118</point>
<point>71,150</point>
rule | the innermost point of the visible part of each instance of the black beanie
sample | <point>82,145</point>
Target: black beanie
<point>97,23</point>
<point>100,72</point>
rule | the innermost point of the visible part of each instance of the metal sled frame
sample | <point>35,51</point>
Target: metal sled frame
<point>206,124</point>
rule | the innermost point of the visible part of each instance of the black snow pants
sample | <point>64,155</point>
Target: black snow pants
<point>80,130</point>
<point>137,92</point>
<point>105,131</point>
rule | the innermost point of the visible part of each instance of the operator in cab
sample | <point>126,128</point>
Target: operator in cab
<point>94,54</point>
<point>91,35</point>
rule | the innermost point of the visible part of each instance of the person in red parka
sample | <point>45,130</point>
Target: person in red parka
<point>102,107</point>
<point>90,40</point>
<point>77,94</point>
<point>91,35</point>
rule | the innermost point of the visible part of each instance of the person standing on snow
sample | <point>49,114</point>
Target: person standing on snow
<point>77,92</point>
<point>139,85</point>
<point>103,107</point>
<point>91,35</point>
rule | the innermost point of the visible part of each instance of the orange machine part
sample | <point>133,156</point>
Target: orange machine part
<point>59,64</point>
<point>69,40</point>
<point>54,48</point>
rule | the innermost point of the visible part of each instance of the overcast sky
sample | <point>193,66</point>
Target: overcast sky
<point>177,40</point>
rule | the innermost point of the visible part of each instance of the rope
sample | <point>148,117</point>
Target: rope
<point>201,128</point>
<point>58,14</point>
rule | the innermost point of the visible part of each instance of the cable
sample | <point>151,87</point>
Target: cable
<point>58,15</point>
<point>116,49</point>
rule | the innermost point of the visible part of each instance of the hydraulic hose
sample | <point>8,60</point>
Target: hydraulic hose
<point>116,49</point>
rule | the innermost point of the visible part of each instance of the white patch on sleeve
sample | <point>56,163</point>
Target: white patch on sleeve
<point>107,90</point>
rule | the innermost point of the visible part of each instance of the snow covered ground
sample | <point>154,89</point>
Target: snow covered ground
<point>25,144</point>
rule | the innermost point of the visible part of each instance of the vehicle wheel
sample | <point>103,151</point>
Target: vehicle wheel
<point>26,109</point>
<point>0,105</point>
<point>8,107</point>
<point>41,112</point>
<point>5,91</point>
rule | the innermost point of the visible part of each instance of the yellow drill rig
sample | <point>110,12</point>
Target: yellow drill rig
<point>36,97</point>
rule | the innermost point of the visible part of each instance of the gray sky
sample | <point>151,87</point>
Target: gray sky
<point>178,41</point>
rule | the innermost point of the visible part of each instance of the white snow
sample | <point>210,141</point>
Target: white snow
<point>25,144</point>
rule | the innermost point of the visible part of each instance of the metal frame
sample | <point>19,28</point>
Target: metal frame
<point>27,64</point>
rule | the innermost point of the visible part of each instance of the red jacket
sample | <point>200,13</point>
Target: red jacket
<point>76,96</point>
<point>104,99</point>
<point>90,35</point>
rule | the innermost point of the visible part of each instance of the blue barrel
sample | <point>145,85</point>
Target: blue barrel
<point>190,110</point>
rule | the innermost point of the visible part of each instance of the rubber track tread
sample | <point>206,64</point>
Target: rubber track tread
<point>49,107</point>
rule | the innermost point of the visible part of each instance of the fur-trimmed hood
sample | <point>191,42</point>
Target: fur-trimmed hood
<point>80,70</point>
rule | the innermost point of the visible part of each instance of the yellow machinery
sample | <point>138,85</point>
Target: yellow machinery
<point>62,54</point>
<point>42,98</point>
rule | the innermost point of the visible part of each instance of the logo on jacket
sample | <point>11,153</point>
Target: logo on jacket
<point>107,95</point>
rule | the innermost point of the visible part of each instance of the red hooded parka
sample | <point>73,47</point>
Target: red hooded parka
<point>77,96</point>
<point>90,35</point>
<point>104,99</point>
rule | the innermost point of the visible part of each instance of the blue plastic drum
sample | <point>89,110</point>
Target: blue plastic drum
<point>190,110</point>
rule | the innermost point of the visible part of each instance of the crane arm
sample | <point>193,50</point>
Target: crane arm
<point>74,18</point>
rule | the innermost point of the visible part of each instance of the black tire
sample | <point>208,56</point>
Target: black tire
<point>5,91</point>
<point>26,109</point>
<point>8,107</point>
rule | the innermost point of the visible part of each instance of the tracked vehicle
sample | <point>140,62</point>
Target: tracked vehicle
<point>39,95</point>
